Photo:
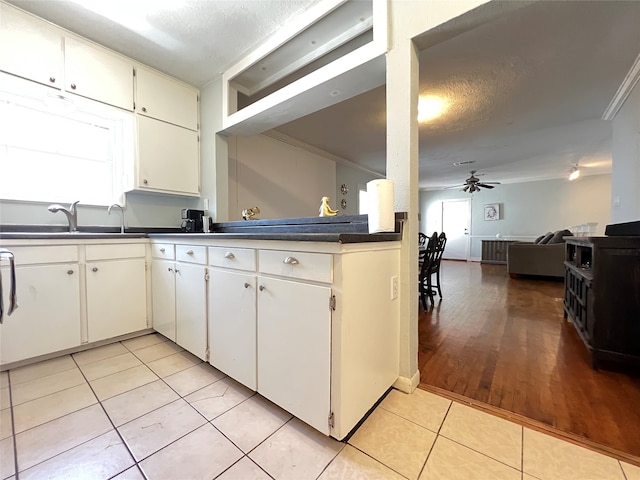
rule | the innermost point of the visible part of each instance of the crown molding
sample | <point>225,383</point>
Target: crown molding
<point>629,82</point>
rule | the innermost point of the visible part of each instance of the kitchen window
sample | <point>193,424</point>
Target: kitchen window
<point>61,148</point>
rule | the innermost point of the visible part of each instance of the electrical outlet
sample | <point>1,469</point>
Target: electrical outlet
<point>394,287</point>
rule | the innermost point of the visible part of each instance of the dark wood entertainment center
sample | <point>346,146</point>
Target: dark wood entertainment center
<point>602,296</point>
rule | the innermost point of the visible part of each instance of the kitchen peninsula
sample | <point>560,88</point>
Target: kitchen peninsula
<point>304,311</point>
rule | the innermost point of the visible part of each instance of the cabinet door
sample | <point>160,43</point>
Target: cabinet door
<point>95,73</point>
<point>191,308</point>
<point>163,291</point>
<point>163,98</point>
<point>232,325</point>
<point>116,298</point>
<point>168,158</point>
<point>31,48</point>
<point>48,316</point>
<point>294,348</point>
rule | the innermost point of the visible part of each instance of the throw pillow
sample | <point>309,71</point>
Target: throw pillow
<point>546,239</point>
<point>537,240</point>
<point>557,236</point>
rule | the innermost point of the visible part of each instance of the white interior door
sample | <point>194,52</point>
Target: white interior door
<point>456,221</point>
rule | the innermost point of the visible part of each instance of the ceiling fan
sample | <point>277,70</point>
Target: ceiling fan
<point>473,183</point>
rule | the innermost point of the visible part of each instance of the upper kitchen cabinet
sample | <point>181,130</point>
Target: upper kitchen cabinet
<point>164,98</point>
<point>96,73</point>
<point>168,159</point>
<point>31,48</point>
<point>334,51</point>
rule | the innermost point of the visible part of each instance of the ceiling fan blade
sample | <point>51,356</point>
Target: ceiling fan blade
<point>484,185</point>
<point>466,188</point>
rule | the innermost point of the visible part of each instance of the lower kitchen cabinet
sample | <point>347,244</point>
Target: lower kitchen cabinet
<point>163,280</point>
<point>48,315</point>
<point>116,298</point>
<point>232,325</point>
<point>179,295</point>
<point>191,308</point>
<point>294,348</point>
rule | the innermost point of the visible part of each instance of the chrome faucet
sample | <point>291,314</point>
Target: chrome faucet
<point>117,205</point>
<point>71,213</point>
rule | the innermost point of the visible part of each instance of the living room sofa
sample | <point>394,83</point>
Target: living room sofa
<point>545,258</point>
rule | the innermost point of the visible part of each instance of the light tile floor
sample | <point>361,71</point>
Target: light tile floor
<point>145,408</point>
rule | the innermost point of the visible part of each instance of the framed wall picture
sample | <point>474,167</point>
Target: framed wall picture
<point>492,211</point>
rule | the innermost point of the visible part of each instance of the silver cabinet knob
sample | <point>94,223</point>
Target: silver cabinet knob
<point>145,181</point>
<point>162,249</point>
<point>69,272</point>
<point>189,252</point>
<point>229,255</point>
<point>262,288</point>
<point>52,79</point>
<point>73,86</point>
<point>170,269</point>
<point>247,284</point>
<point>144,109</point>
<point>291,261</point>
<point>94,269</point>
<point>177,271</point>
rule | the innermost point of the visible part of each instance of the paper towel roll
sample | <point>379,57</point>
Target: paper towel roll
<point>380,206</point>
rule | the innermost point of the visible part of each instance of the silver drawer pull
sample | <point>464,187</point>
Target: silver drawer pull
<point>189,252</point>
<point>262,287</point>
<point>162,249</point>
<point>69,272</point>
<point>229,255</point>
<point>247,284</point>
<point>291,261</point>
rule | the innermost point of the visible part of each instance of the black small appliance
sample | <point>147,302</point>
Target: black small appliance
<point>191,220</point>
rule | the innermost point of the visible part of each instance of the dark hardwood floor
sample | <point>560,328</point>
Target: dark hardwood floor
<point>503,344</point>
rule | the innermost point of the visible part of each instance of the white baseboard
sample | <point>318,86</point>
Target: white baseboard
<point>406,384</point>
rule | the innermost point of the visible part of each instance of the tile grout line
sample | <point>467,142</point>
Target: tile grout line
<point>436,439</point>
<point>13,429</point>
<point>112,424</point>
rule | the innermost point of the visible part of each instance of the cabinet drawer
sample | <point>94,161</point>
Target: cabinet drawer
<point>163,250</point>
<point>305,266</point>
<point>192,254</point>
<point>238,258</point>
<point>107,252</point>
<point>35,255</point>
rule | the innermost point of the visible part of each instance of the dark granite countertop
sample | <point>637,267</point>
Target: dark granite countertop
<point>338,229</point>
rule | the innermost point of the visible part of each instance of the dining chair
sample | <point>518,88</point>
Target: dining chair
<point>428,257</point>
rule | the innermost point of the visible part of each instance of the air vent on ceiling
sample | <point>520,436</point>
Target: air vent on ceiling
<point>467,162</point>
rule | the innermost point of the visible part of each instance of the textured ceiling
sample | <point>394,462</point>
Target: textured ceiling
<point>527,92</point>
<point>527,88</point>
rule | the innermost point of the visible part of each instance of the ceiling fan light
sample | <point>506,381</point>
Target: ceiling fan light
<point>574,173</point>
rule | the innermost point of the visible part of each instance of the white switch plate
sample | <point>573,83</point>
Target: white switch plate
<point>206,203</point>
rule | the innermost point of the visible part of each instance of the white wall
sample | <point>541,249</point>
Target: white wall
<point>527,209</point>
<point>352,177</point>
<point>283,180</point>
<point>625,149</point>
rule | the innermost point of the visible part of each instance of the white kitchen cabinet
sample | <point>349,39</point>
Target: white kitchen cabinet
<point>191,308</point>
<point>168,158</point>
<point>31,48</point>
<point>116,290</point>
<point>294,348</point>
<point>164,98</point>
<point>163,280</point>
<point>179,295</point>
<point>48,315</point>
<point>96,73</point>
<point>232,324</point>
